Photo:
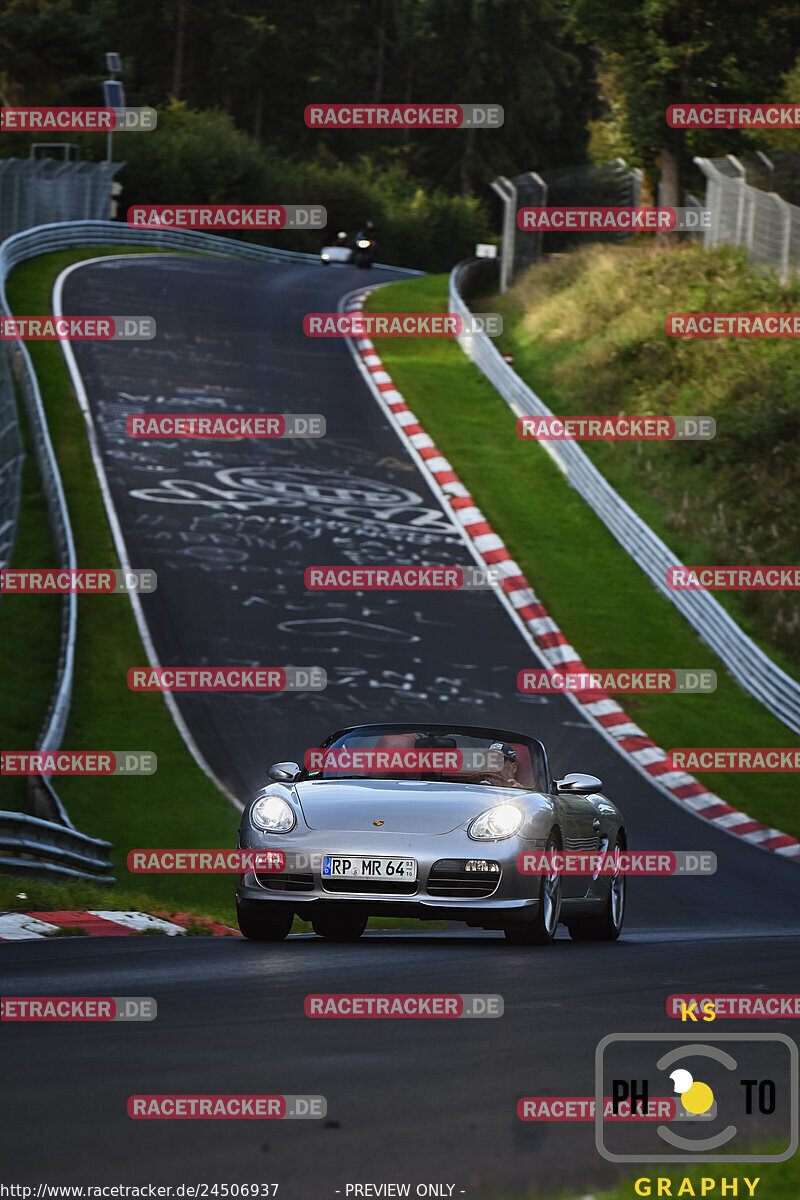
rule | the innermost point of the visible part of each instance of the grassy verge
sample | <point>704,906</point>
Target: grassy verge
<point>30,634</point>
<point>179,805</point>
<point>176,807</point>
<point>603,602</point>
<point>776,1181</point>
<point>587,333</point>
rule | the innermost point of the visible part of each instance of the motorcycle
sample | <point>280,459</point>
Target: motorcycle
<point>364,252</point>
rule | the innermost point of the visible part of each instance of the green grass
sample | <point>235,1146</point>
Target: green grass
<point>178,806</point>
<point>776,1181</point>
<point>30,634</point>
<point>587,334</point>
<point>602,601</point>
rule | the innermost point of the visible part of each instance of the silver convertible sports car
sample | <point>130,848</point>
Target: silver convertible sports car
<point>428,821</point>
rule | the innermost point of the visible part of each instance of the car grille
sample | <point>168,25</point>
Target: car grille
<point>448,878</point>
<point>384,887</point>
<point>286,882</point>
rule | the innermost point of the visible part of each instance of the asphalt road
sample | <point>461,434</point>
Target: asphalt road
<point>229,527</point>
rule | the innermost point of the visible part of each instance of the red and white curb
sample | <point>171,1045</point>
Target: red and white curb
<point>21,927</point>
<point>539,628</point>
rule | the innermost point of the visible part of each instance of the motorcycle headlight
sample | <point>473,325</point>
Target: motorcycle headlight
<point>502,821</point>
<point>363,244</point>
<point>273,815</point>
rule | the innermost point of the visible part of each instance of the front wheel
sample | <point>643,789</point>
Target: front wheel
<point>264,922</point>
<point>608,925</point>
<point>339,926</point>
<point>542,929</point>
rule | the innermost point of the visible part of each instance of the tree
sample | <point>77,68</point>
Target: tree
<point>676,51</point>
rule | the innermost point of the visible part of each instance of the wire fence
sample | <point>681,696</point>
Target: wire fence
<point>38,191</point>
<point>747,211</point>
<point>609,185</point>
<point>752,669</point>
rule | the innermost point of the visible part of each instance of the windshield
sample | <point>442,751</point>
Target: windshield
<point>425,754</point>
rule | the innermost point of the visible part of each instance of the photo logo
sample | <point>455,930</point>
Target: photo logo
<point>729,1088</point>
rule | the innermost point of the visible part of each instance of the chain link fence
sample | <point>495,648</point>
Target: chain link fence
<point>608,185</point>
<point>38,191</point>
<point>746,210</point>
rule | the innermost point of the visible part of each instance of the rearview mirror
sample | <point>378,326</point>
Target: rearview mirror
<point>576,784</point>
<point>283,772</point>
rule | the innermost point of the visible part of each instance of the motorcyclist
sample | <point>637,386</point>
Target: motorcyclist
<point>506,774</point>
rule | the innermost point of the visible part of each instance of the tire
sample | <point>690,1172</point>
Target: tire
<point>264,922</point>
<point>608,925</point>
<point>541,930</point>
<point>339,926</point>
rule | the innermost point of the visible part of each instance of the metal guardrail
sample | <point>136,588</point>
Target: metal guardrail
<point>45,850</point>
<point>752,669</point>
<point>30,243</point>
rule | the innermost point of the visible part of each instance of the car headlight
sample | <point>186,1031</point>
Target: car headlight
<point>273,815</point>
<point>362,245</point>
<point>502,821</point>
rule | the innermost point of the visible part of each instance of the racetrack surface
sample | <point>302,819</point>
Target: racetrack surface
<point>229,527</point>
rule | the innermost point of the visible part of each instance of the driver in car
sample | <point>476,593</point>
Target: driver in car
<point>506,775</point>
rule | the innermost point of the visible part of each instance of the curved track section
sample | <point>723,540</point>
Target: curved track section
<point>230,528</point>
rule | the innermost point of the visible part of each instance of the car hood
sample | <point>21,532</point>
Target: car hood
<point>404,806</point>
